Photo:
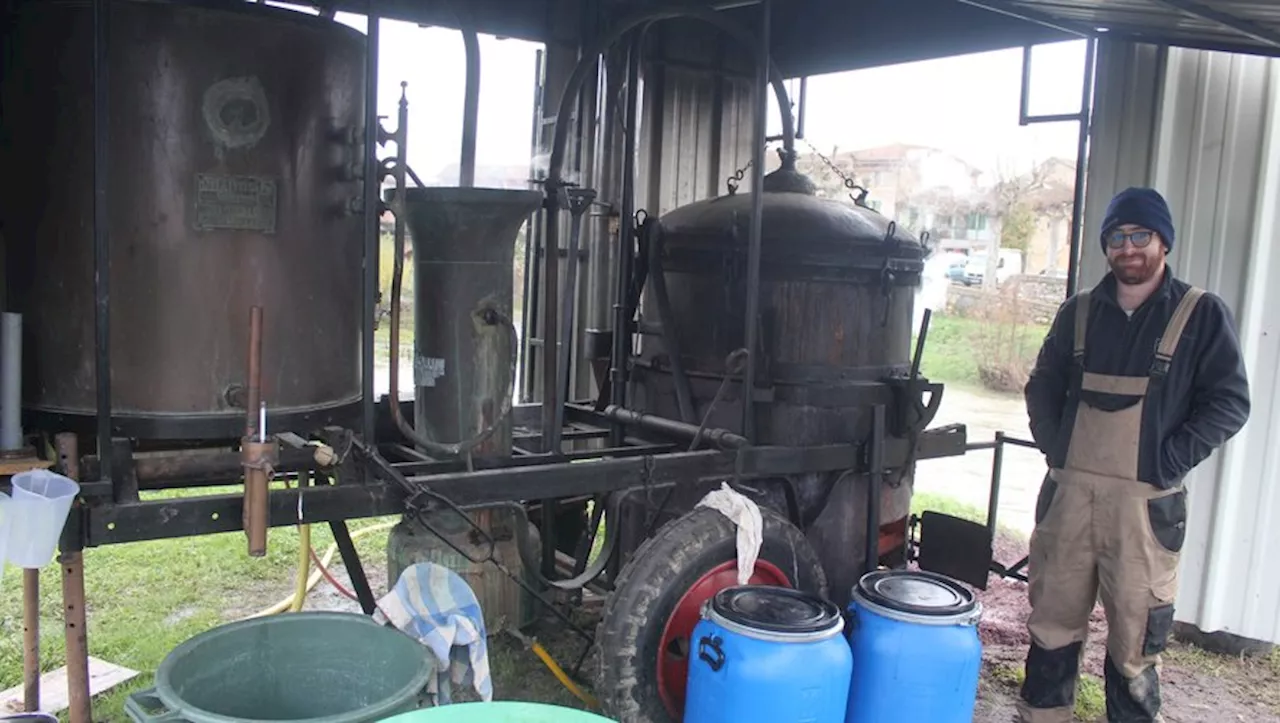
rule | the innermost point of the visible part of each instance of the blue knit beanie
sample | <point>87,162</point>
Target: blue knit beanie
<point>1143,207</point>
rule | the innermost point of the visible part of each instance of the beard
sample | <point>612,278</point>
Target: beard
<point>1134,269</point>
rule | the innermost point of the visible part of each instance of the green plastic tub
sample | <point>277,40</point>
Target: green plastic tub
<point>498,712</point>
<point>312,667</point>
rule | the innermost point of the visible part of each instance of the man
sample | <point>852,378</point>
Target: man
<point>1138,381</point>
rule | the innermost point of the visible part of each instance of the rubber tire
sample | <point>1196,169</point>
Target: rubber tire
<point>654,580</point>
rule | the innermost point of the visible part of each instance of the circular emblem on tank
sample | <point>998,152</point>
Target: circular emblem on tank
<point>235,111</point>
<point>916,592</point>
<point>776,609</point>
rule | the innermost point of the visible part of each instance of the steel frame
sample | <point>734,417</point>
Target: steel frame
<point>111,510</point>
<point>114,513</point>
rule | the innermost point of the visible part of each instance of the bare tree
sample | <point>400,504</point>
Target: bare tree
<point>1008,199</point>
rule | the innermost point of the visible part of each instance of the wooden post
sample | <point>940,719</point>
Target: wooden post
<point>31,640</point>
<point>73,599</point>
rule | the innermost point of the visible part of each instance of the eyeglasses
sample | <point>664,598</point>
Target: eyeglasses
<point>1139,239</point>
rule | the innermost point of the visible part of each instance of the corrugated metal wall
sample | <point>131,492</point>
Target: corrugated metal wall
<point>1204,129</point>
<point>697,125</point>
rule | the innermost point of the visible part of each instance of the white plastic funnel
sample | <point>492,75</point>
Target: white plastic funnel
<point>41,501</point>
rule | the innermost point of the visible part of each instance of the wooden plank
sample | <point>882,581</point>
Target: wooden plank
<point>10,467</point>
<point>103,676</point>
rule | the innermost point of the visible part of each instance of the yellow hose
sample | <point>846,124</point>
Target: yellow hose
<point>306,583</point>
<point>304,567</point>
<point>314,580</point>
<point>304,550</point>
<point>555,669</point>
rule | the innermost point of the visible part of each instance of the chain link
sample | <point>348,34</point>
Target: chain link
<point>849,183</point>
<point>736,179</point>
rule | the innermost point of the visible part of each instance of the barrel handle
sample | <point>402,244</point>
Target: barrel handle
<point>142,706</point>
<point>713,643</point>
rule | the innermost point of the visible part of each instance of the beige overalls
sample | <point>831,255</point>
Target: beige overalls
<point>1100,530</point>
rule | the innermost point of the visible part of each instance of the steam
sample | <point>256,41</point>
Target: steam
<point>541,165</point>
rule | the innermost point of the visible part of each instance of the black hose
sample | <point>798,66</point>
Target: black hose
<point>667,321</point>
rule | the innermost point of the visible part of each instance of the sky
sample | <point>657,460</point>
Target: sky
<point>966,105</point>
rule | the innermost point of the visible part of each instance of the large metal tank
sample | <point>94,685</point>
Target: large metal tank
<point>235,137</point>
<point>837,287</point>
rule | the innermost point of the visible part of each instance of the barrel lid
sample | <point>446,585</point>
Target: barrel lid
<point>776,609</point>
<point>916,591</point>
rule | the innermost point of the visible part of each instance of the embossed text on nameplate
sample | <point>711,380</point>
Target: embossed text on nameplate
<point>235,203</point>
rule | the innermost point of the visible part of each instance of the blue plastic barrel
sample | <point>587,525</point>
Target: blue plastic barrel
<point>768,654</point>
<point>916,652</point>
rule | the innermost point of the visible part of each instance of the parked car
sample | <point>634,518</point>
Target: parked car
<point>1008,265</point>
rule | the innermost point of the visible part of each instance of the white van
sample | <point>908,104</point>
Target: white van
<point>1008,265</point>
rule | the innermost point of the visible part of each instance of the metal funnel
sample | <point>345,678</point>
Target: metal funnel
<point>463,261</point>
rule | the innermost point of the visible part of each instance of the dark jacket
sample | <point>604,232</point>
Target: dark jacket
<point>1202,402</point>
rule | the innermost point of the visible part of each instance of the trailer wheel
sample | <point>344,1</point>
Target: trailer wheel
<point>644,635</point>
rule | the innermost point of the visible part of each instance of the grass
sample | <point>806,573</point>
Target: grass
<point>145,598</point>
<point>1256,677</point>
<point>1091,694</point>
<point>953,349</point>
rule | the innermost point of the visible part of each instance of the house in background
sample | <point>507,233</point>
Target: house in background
<point>922,188</point>
<point>1049,247</point>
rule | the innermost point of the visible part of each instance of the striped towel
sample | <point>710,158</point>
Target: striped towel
<point>436,606</point>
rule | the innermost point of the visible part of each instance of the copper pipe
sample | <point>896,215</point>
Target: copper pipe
<point>256,454</point>
<point>259,466</point>
<point>30,640</point>
<point>73,602</point>
<point>255,372</point>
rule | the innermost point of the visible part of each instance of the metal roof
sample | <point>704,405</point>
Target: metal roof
<point>822,36</point>
<point>1243,26</point>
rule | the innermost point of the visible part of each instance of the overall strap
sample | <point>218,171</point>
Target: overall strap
<point>1082,323</point>
<point>1173,332</point>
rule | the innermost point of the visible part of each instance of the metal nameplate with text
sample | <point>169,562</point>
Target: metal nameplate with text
<point>235,203</point>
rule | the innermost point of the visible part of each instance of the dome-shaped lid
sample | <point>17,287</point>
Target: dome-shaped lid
<point>917,592</point>
<point>776,609</point>
<point>792,215</point>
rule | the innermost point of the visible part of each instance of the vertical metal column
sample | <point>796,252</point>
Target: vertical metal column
<point>373,226</point>
<point>532,242</point>
<point>1082,161</point>
<point>752,319</point>
<point>101,237</point>
<point>626,240</point>
<point>874,485</point>
<point>1084,117</point>
<point>470,109</point>
<point>993,500</point>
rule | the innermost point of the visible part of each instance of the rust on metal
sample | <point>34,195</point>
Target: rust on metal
<point>232,131</point>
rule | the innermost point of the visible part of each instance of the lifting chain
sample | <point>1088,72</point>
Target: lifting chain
<point>861,197</point>
<point>736,179</point>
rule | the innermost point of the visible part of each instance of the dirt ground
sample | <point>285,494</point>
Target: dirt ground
<point>1196,685</point>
